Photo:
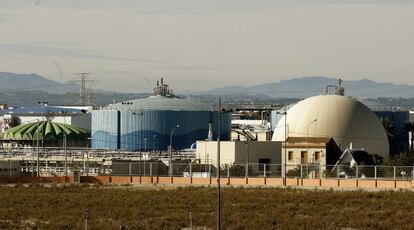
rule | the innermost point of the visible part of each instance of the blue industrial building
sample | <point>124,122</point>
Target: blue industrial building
<point>399,141</point>
<point>146,124</point>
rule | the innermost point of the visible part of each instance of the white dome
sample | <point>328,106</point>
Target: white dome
<point>342,118</point>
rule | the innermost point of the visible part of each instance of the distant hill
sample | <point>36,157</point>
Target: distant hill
<point>32,97</point>
<point>10,82</point>
<point>310,86</point>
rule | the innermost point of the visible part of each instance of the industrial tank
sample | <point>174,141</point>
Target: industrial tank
<point>342,118</point>
<point>149,123</point>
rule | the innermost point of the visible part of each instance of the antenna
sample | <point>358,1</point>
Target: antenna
<point>85,95</point>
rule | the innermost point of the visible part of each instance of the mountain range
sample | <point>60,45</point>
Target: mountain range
<point>310,86</point>
<point>10,82</point>
<point>293,88</point>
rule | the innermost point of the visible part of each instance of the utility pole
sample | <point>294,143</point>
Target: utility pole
<point>64,144</point>
<point>218,217</point>
<point>38,153</point>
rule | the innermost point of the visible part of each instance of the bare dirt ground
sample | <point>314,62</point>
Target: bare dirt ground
<point>159,207</point>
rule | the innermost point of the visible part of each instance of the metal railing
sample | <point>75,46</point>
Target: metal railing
<point>309,171</point>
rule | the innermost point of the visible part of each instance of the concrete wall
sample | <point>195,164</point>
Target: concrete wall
<point>234,152</point>
<point>188,181</point>
<point>207,152</point>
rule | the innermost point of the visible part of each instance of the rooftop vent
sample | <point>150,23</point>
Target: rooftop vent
<point>336,89</point>
<point>163,89</point>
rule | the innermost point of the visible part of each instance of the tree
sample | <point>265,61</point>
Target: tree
<point>405,159</point>
<point>409,127</point>
<point>388,126</point>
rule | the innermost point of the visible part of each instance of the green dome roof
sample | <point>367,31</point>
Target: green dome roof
<point>47,130</point>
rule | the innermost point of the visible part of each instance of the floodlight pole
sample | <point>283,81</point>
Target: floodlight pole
<point>284,164</point>
<point>307,134</point>
<point>170,149</point>
<point>43,103</point>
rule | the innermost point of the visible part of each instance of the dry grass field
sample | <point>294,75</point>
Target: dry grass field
<point>37,207</point>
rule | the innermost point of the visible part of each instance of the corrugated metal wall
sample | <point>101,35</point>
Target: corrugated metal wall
<point>151,130</point>
<point>105,131</point>
<point>399,142</point>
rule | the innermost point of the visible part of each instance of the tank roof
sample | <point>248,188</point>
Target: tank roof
<point>162,99</point>
<point>159,102</point>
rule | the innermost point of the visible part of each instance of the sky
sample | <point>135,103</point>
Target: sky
<point>198,45</point>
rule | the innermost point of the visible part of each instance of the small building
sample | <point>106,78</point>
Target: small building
<point>255,153</point>
<point>347,164</point>
<point>319,152</point>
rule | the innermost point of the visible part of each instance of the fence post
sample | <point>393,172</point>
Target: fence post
<point>228,171</point>
<point>172,169</point>
<point>10,172</point>
<point>191,170</point>
<point>301,171</point>
<point>264,170</point>
<point>276,166</point>
<point>395,173</point>
<point>337,172</point>
<point>246,172</point>
<point>307,170</point>
<point>144,169</point>
<point>151,170</point>
<point>209,170</point>
<point>375,172</point>
<point>129,170</point>
<point>356,171</point>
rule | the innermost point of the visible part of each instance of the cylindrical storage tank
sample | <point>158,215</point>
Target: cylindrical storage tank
<point>147,124</point>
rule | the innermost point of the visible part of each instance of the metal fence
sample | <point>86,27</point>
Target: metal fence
<point>83,152</point>
<point>309,171</point>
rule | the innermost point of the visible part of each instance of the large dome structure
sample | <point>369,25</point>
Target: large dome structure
<point>342,118</point>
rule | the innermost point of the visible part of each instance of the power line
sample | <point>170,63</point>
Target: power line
<point>85,95</point>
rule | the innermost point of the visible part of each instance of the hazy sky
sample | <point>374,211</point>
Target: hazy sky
<point>202,44</point>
